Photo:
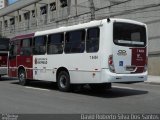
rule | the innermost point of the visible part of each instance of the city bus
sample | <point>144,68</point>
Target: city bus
<point>4,50</point>
<point>97,53</point>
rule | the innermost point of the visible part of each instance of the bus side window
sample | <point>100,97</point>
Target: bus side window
<point>74,41</point>
<point>13,50</point>
<point>92,42</point>
<point>55,43</point>
<point>4,44</point>
<point>26,49</point>
<point>39,45</point>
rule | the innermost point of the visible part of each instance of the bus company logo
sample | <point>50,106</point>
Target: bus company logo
<point>122,53</point>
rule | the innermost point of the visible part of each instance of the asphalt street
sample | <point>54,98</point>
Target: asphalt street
<point>44,98</point>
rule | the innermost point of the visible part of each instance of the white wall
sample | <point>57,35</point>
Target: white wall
<point>2,4</point>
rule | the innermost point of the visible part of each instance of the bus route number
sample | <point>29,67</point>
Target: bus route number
<point>94,57</point>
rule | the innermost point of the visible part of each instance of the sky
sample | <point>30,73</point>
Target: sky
<point>11,1</point>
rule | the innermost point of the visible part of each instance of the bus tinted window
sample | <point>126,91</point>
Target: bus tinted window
<point>26,42</point>
<point>4,44</point>
<point>126,34</point>
<point>39,47</point>
<point>13,49</point>
<point>92,42</point>
<point>55,43</point>
<point>26,47</point>
<point>74,41</point>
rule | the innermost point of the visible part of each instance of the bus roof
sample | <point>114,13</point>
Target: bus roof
<point>128,21</point>
<point>23,36</point>
<point>70,28</point>
<point>84,25</point>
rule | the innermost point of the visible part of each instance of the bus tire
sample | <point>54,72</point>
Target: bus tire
<point>109,86</point>
<point>64,81</point>
<point>22,77</point>
<point>101,87</point>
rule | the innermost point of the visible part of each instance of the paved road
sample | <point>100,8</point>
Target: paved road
<point>44,97</point>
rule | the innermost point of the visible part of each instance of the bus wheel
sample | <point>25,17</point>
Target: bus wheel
<point>22,77</point>
<point>101,87</point>
<point>64,81</point>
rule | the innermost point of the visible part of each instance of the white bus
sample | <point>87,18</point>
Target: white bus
<point>97,53</point>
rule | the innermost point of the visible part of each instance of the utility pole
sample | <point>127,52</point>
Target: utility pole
<point>76,7</point>
<point>69,8</point>
<point>92,7</point>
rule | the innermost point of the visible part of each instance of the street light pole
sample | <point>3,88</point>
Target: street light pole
<point>92,7</point>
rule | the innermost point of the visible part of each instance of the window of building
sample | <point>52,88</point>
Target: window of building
<point>26,47</point>
<point>63,3</point>
<point>0,25</point>
<point>75,41</point>
<point>55,43</point>
<point>5,23</point>
<point>39,45</point>
<point>92,42</point>
<point>53,6</point>
<point>12,21</point>
<point>43,10</point>
<point>27,15</point>
<point>20,19</point>
<point>33,13</point>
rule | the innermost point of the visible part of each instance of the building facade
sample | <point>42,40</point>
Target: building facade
<point>35,15</point>
<point>3,3</point>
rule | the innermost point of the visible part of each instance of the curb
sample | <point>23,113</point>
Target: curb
<point>153,80</point>
<point>153,83</point>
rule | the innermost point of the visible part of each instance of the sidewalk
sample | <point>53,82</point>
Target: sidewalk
<point>153,79</point>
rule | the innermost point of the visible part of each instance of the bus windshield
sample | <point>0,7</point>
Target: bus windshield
<point>131,35</point>
<point>4,44</point>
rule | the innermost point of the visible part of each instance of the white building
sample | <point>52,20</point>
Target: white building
<point>2,3</point>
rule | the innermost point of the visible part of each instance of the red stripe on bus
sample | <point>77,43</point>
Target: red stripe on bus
<point>139,58</point>
<point>24,36</point>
